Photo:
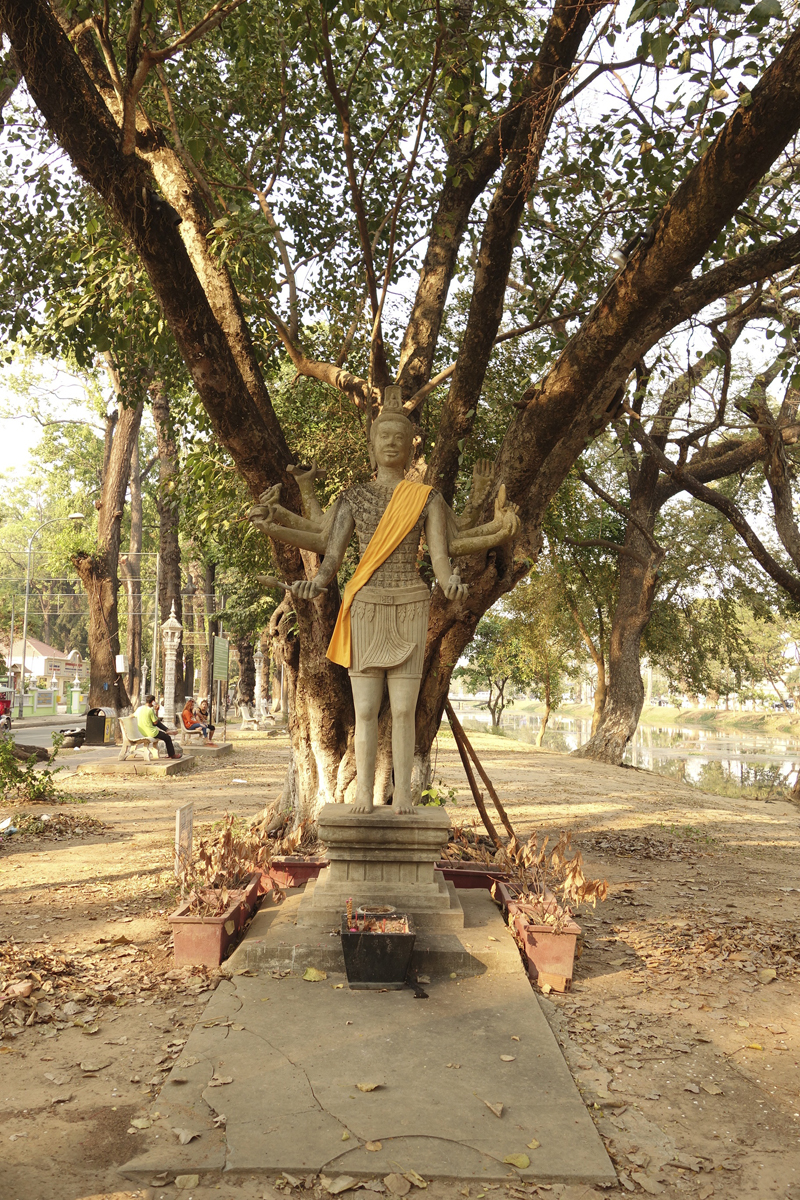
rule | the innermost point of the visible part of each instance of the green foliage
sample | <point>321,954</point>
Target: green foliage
<point>25,782</point>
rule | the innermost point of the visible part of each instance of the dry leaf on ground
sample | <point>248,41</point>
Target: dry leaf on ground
<point>373,1146</point>
<point>368,1087</point>
<point>184,1182</point>
<point>312,975</point>
<point>342,1183</point>
<point>497,1109</point>
<point>184,1136</point>
<point>520,1161</point>
<point>398,1185</point>
<point>713,1089</point>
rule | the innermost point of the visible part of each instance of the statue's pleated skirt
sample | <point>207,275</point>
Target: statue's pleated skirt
<point>388,630</point>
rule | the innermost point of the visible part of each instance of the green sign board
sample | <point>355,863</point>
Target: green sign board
<point>221,657</point>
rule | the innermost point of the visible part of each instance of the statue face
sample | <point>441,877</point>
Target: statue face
<point>391,443</point>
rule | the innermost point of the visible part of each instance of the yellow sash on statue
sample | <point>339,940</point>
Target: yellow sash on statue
<point>402,513</point>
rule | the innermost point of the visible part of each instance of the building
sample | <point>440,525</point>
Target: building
<point>46,667</point>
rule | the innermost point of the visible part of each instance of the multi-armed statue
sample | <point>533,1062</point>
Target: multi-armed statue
<point>383,621</point>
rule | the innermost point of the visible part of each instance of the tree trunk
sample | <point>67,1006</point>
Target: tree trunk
<point>625,698</point>
<point>600,693</point>
<point>546,717</point>
<point>131,569</point>
<point>169,550</point>
<point>98,570</point>
<point>247,672</point>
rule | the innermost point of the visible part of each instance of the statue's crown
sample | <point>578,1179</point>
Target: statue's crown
<point>393,407</point>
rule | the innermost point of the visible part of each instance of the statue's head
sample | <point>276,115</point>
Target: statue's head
<point>391,435</point>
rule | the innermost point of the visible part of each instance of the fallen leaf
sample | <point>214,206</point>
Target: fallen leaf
<point>341,1184</point>
<point>219,1080</point>
<point>19,990</point>
<point>345,1136</point>
<point>455,1066</point>
<point>184,1136</point>
<point>184,1182</point>
<point>416,1179</point>
<point>766,974</point>
<point>160,1180</point>
<point>373,1146</point>
<point>292,1180</point>
<point>58,1080</point>
<point>514,1037</point>
<point>705,1191</point>
<point>508,1058</point>
<point>497,1109</point>
<point>711,1088</point>
<point>220,1121</point>
<point>533,1144</point>
<point>312,975</point>
<point>754,1046</point>
<point>398,1185</point>
<point>647,1183</point>
<point>692,1087</point>
<point>368,1087</point>
<point>141,1122</point>
<point>336,987</point>
<point>90,1068</point>
<point>520,1161</point>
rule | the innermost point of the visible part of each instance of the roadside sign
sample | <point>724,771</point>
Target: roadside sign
<point>221,657</point>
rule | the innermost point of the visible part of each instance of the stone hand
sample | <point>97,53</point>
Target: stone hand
<point>267,502</point>
<point>455,589</point>
<point>507,513</point>
<point>482,478</point>
<point>307,589</point>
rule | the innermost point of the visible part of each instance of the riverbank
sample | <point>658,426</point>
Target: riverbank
<point>775,724</point>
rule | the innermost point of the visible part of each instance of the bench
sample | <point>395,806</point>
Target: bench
<point>134,744</point>
<point>187,734</point>
<point>249,719</point>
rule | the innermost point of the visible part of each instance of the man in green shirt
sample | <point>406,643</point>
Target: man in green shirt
<point>149,727</point>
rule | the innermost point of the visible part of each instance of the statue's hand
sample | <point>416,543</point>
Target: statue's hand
<point>307,589</point>
<point>506,513</point>
<point>482,478</point>
<point>267,503</point>
<point>455,589</point>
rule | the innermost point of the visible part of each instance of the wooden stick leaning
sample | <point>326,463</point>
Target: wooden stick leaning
<point>473,783</point>
<point>455,724</point>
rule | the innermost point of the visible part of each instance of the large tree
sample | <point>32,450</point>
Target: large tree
<point>357,134</point>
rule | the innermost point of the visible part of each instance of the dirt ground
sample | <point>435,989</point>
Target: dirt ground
<point>682,1029</point>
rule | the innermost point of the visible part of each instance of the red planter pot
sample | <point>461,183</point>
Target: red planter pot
<point>200,941</point>
<point>470,874</point>
<point>550,956</point>
<point>289,871</point>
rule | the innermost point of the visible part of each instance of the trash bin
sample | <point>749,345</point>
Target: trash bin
<point>99,727</point>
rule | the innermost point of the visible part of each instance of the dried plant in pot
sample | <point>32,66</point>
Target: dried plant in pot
<point>221,886</point>
<point>544,888</point>
<point>469,860</point>
<point>294,854</point>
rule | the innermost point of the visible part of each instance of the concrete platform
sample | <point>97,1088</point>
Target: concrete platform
<point>137,766</point>
<point>295,1053</point>
<point>278,941</point>
<point>218,750</point>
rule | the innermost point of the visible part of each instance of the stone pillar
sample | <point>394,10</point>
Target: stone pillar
<point>143,689</point>
<point>171,632</point>
<point>258,659</point>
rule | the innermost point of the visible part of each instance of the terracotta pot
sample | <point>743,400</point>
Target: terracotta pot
<point>469,874</point>
<point>201,941</point>
<point>507,895</point>
<point>289,870</point>
<point>550,956</point>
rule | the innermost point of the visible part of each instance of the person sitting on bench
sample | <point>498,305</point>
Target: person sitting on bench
<point>151,728</point>
<point>191,723</point>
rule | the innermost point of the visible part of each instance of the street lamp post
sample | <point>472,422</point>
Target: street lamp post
<point>72,517</point>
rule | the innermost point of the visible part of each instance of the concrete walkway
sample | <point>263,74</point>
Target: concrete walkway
<point>281,1075</point>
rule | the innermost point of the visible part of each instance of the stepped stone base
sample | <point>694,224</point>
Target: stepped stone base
<point>383,858</point>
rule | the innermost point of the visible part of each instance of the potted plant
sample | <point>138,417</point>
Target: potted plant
<point>377,945</point>
<point>539,897</point>
<point>469,860</point>
<point>223,884</point>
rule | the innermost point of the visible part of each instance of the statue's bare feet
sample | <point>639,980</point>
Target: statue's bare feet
<point>362,806</point>
<point>402,806</point>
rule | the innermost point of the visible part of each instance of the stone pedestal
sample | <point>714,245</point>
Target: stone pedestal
<point>382,858</point>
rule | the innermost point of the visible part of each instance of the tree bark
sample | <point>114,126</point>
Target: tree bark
<point>247,672</point>
<point>98,570</point>
<point>169,550</point>
<point>131,569</point>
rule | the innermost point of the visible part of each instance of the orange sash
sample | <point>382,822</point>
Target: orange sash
<point>402,513</point>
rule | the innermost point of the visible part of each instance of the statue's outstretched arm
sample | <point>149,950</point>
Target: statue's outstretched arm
<point>305,481</point>
<point>501,528</point>
<point>309,533</point>
<point>341,530</point>
<point>436,535</point>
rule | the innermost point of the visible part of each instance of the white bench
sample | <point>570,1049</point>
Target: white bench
<point>188,734</point>
<point>134,744</point>
<point>249,720</point>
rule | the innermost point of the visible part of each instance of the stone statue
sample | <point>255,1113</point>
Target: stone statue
<point>382,627</point>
